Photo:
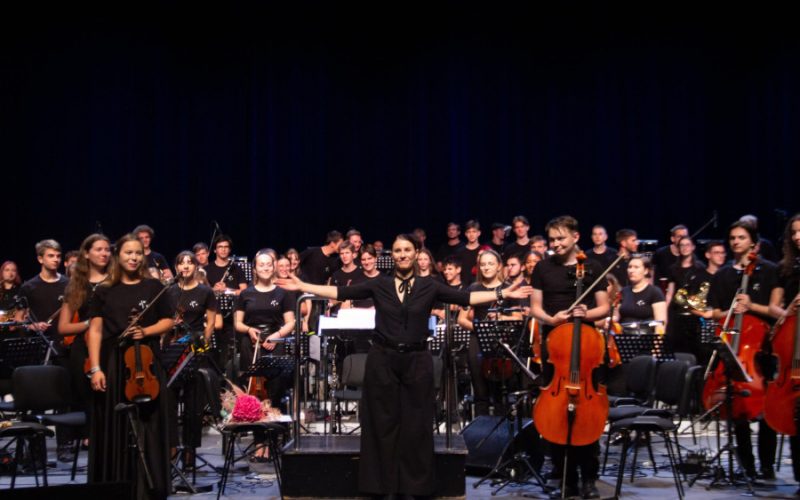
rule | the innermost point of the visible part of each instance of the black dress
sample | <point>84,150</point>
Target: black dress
<point>110,458</point>
<point>397,405</point>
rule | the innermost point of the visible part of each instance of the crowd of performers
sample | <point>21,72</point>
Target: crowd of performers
<point>112,295</point>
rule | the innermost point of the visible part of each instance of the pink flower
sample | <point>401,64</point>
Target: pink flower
<point>247,409</point>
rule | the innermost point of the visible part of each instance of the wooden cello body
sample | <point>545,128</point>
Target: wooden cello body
<point>570,410</point>
<point>782,393</point>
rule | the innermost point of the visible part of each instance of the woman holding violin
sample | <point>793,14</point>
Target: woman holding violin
<point>88,273</point>
<point>397,406</point>
<point>489,279</point>
<point>128,293</point>
<point>752,305</point>
<point>781,403</point>
<point>570,341</point>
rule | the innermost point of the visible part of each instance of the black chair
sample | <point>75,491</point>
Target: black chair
<point>36,390</point>
<point>231,431</point>
<point>352,381</point>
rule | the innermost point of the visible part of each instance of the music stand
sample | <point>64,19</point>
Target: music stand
<point>492,333</point>
<point>23,351</point>
<point>648,344</point>
<point>385,263</point>
<point>271,367</point>
<point>460,339</point>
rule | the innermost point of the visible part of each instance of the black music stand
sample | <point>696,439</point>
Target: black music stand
<point>647,344</point>
<point>492,333</point>
<point>460,339</point>
<point>385,263</point>
<point>271,367</point>
<point>24,351</point>
<point>733,372</point>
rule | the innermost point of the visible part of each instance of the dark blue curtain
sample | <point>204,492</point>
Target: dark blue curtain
<point>284,124</point>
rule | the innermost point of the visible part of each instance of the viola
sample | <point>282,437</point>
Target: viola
<point>140,380</point>
<point>782,393</point>
<point>745,339</point>
<point>570,410</point>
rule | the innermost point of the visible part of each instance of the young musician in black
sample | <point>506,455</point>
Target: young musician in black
<point>601,252</point>
<point>348,274</point>
<point>451,272</point>
<point>128,292</point>
<point>756,300</point>
<point>451,246</point>
<point>397,406</point>
<point>201,253</point>
<point>227,280</point>
<point>668,255</point>
<point>642,301</point>
<point>469,253</point>
<point>317,264</point>
<point>426,264</point>
<point>156,264</point>
<point>521,244</point>
<point>369,266</point>
<point>498,241</point>
<point>9,288</point>
<point>43,294</point>
<point>553,292</point>
<point>786,301</point>
<point>628,242</point>
<point>88,273</point>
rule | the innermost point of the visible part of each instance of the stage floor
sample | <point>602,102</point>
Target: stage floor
<point>257,481</point>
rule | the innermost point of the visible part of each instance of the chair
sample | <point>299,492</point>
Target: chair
<point>38,389</point>
<point>231,431</point>
<point>353,370</point>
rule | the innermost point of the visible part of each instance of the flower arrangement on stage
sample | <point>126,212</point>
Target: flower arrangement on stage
<point>238,406</point>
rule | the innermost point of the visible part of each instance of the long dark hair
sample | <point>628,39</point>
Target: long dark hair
<point>790,251</point>
<point>115,268</point>
<point>75,293</point>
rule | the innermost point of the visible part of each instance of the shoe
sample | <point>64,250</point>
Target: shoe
<point>589,490</point>
<point>571,491</point>
<point>767,474</point>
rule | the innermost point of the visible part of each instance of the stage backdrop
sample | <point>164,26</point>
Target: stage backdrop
<point>283,124</point>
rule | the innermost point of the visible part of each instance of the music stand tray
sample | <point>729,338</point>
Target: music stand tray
<point>648,344</point>
<point>271,367</point>
<point>22,351</point>
<point>460,338</point>
<point>491,332</point>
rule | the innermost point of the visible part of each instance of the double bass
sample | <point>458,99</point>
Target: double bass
<point>782,393</point>
<point>745,340</point>
<point>570,410</point>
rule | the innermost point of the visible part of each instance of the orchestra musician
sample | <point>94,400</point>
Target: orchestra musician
<point>531,259</point>
<point>553,284</point>
<point>601,252</point>
<point>641,301</point>
<point>369,266</point>
<point>9,286</point>
<point>128,291</point>
<point>628,242</point>
<point>489,279</point>
<point>664,257</point>
<point>449,247</point>
<point>426,264</point>
<point>89,272</point>
<point>398,395</point>
<point>756,300</point>
<point>227,280</point>
<point>156,263</point>
<point>521,244</point>
<point>469,252</point>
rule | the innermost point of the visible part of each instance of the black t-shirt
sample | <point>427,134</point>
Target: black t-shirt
<point>728,279</point>
<point>469,263</point>
<point>558,284</point>
<point>638,306</point>
<point>790,282</point>
<point>8,298</point>
<point>85,308</point>
<point>497,248</point>
<point>365,303</point>
<point>620,270</point>
<point>264,308</point>
<point>117,304</point>
<point>515,248</point>
<point>155,259</point>
<point>316,267</point>
<point>482,310</point>
<point>663,259</point>
<point>233,279</point>
<point>44,299</point>
<point>445,250</point>
<point>343,278</point>
<point>193,304</point>
<point>398,322</point>
<point>604,259</point>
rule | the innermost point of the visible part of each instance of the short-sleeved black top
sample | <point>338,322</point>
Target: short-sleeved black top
<point>558,284</point>
<point>193,304</point>
<point>638,306</point>
<point>115,304</point>
<point>264,308</point>
<point>728,279</point>
<point>403,323</point>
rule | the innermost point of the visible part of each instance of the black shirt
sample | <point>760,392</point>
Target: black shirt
<point>316,267</point>
<point>620,270</point>
<point>497,248</point>
<point>728,279</point>
<point>790,283</point>
<point>117,304</point>
<point>193,304</point>
<point>638,306</point>
<point>44,299</point>
<point>604,259</point>
<point>445,250</point>
<point>156,260</point>
<point>558,284</point>
<point>85,308</point>
<point>481,311</point>
<point>663,259</point>
<point>469,263</point>
<point>264,308</point>
<point>515,248</point>
<point>8,300</point>
<point>344,278</point>
<point>233,279</point>
<point>398,322</point>
<point>366,303</point>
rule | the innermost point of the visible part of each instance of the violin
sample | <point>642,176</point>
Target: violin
<point>613,328</point>
<point>745,339</point>
<point>781,395</point>
<point>140,382</point>
<point>570,410</point>
<point>69,339</point>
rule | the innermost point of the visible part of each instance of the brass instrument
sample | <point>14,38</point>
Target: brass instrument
<point>696,302</point>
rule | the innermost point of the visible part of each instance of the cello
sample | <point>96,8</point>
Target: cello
<point>570,410</point>
<point>745,340</point>
<point>782,393</point>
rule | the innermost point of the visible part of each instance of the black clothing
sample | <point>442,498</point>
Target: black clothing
<point>445,250</point>
<point>728,279</point>
<point>316,267</point>
<point>264,308</point>
<point>44,299</point>
<point>156,260</point>
<point>515,248</point>
<point>497,248</point>
<point>192,304</point>
<point>233,278</point>
<point>469,263</point>
<point>620,271</point>
<point>110,458</point>
<point>398,398</point>
<point>558,282</point>
<point>8,298</point>
<point>343,278</point>
<point>689,278</point>
<point>684,328</point>
<point>605,259</point>
<point>790,283</point>
<point>638,306</point>
<point>663,259</point>
<point>366,303</point>
<point>767,250</point>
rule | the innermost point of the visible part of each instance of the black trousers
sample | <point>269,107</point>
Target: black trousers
<point>767,444</point>
<point>583,458</point>
<point>397,423</point>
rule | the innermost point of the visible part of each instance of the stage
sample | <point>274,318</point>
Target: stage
<point>258,481</point>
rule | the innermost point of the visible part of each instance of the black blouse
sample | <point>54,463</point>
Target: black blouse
<point>403,322</point>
